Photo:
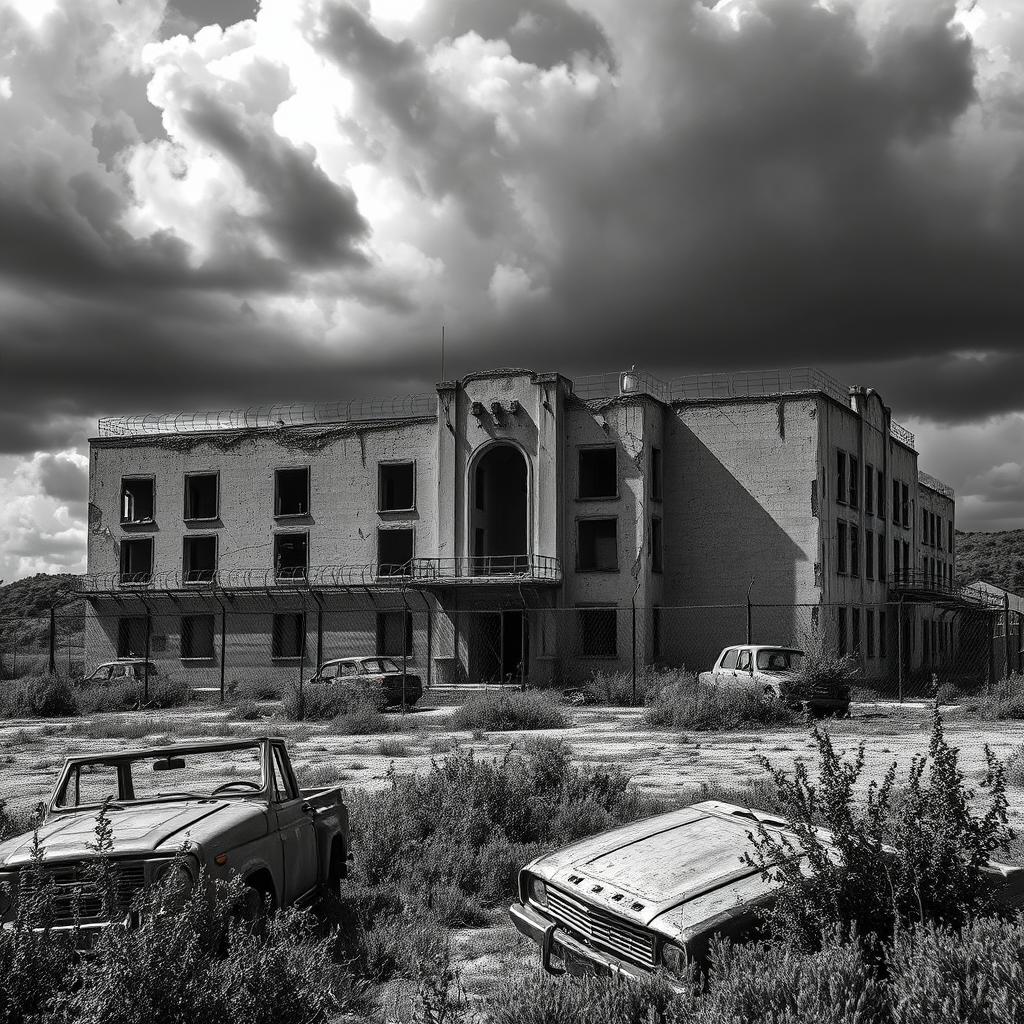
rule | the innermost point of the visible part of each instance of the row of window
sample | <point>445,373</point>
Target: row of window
<point>598,476</point>
<point>932,530</point>
<point>396,492</point>
<point>849,639</point>
<point>848,482</point>
<point>849,562</point>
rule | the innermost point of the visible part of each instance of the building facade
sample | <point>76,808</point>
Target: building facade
<point>517,524</point>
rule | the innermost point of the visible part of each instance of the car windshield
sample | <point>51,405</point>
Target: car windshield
<point>168,776</point>
<point>780,660</point>
<point>380,665</point>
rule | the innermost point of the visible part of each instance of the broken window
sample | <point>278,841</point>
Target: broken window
<point>905,505</point>
<point>197,636</point>
<point>896,502</point>
<point>201,495</point>
<point>896,557</point>
<point>869,555</point>
<point>131,637</point>
<point>842,547</point>
<point>869,489</point>
<point>396,486</point>
<point>597,548</point>
<point>854,549</point>
<point>137,499</point>
<point>137,560</point>
<point>656,545</point>
<point>881,556</point>
<point>394,633</point>
<point>199,559</point>
<point>656,484</point>
<point>288,635</point>
<point>291,492</point>
<point>841,477</point>
<point>597,632</point>
<point>394,552</point>
<point>291,555</point>
<point>598,478</point>
<point>854,481</point>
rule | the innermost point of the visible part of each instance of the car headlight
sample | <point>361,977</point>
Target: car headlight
<point>538,891</point>
<point>674,959</point>
<point>174,883</point>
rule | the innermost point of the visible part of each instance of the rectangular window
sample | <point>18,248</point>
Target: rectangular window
<point>197,636</point>
<point>597,632</point>
<point>597,473</point>
<point>880,495</point>
<point>869,489</point>
<point>854,481</point>
<point>137,560</point>
<point>842,641</point>
<point>855,634</point>
<point>842,547</point>
<point>869,555</point>
<point>896,557</point>
<point>201,496</point>
<point>394,552</point>
<point>291,492</point>
<point>896,502</point>
<point>199,559</point>
<point>907,565</point>
<point>656,467</point>
<point>394,633</point>
<point>938,532</point>
<point>881,557</point>
<point>656,631</point>
<point>657,554</point>
<point>870,638</point>
<point>396,487</point>
<point>881,633</point>
<point>137,499</point>
<point>597,545</point>
<point>131,637</point>
<point>291,555</point>
<point>288,635</point>
<point>841,477</point>
<point>905,505</point>
<point>854,550</point>
<point>924,526</point>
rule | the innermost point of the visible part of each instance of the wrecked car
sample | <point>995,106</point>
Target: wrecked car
<point>116,671</point>
<point>378,680</point>
<point>653,894</point>
<point>775,672</point>
<point>175,811</point>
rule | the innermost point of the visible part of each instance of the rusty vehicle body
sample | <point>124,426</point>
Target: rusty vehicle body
<point>122,669</point>
<point>378,679</point>
<point>187,809</point>
<point>653,894</point>
<point>773,670</point>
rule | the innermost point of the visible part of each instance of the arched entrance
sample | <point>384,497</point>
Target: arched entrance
<point>499,513</point>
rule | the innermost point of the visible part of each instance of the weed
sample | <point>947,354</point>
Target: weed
<point>393,748</point>
<point>41,696</point>
<point>682,703</point>
<point>319,775</point>
<point>505,712</point>
<point>247,711</point>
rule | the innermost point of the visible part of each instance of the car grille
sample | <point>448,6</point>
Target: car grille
<point>602,928</point>
<point>77,894</point>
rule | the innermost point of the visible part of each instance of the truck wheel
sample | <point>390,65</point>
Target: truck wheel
<point>257,903</point>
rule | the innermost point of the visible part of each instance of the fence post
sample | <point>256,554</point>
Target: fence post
<point>1020,642</point>
<point>991,654</point>
<point>750,617</point>
<point>1008,667</point>
<point>633,702</point>
<point>223,647</point>
<point>53,643</point>
<point>899,649</point>
<point>145,669</point>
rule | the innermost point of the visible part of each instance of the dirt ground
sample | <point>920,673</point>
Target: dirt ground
<point>660,762</point>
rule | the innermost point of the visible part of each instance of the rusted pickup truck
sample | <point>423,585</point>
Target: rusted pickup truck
<point>220,808</point>
<point>654,893</point>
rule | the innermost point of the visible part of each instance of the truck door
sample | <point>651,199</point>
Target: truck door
<point>296,830</point>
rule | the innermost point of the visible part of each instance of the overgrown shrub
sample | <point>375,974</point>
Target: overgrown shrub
<point>162,693</point>
<point>324,701</point>
<point>820,669</point>
<point>507,712</point>
<point>13,823</point>
<point>616,688</point>
<point>42,696</point>
<point>364,720</point>
<point>1004,702</point>
<point>257,688</point>
<point>907,854</point>
<point>684,704</point>
<point>247,711</point>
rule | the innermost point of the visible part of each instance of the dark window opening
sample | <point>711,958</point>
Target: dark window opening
<point>197,636</point>
<point>597,632</point>
<point>881,556</point>
<point>841,635</point>
<point>870,643</point>
<point>137,500</point>
<point>394,552</point>
<point>926,537</point>
<point>855,637</point>
<point>199,559</point>
<point>131,637</point>
<point>598,477</point>
<point>881,633</point>
<point>896,557</point>
<point>288,636</point>
<point>949,546</point>
<point>896,502</point>
<point>869,489</point>
<point>854,550</point>
<point>394,633</point>
<point>597,548</point>
<point>854,481</point>
<point>657,555</point>
<point>905,505</point>
<point>656,466</point>
<point>841,477</point>
<point>201,496</point>
<point>881,494</point>
<point>396,487</point>
<point>137,560</point>
<point>907,565</point>
<point>656,632</point>
<point>291,492</point>
<point>869,555</point>
<point>291,555</point>
<point>842,546</point>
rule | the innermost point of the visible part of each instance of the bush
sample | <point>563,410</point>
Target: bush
<point>164,692</point>
<point>247,711</point>
<point>13,823</point>
<point>681,703</point>
<point>821,668</point>
<point>254,688</point>
<point>324,701</point>
<point>936,844</point>
<point>41,696</point>
<point>363,720</point>
<point>506,712</point>
<point>393,748</point>
<point>1006,702</point>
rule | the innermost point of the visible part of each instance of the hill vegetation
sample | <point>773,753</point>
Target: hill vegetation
<point>995,557</point>
<point>25,611</point>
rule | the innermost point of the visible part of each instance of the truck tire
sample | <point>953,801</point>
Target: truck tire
<point>337,868</point>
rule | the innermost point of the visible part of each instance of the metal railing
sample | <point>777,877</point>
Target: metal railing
<point>932,585</point>
<point>934,484</point>
<point>544,568</point>
<point>757,384</point>
<point>901,434</point>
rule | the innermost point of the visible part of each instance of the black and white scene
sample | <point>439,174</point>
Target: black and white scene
<point>511,512</point>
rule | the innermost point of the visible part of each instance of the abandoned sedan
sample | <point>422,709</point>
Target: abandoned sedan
<point>654,893</point>
<point>115,671</point>
<point>176,811</point>
<point>380,680</point>
<point>775,671</point>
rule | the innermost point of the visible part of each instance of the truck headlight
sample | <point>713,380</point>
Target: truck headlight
<point>175,883</point>
<point>538,891</point>
<point>674,959</point>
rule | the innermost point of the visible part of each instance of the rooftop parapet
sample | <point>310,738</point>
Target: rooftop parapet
<point>934,484</point>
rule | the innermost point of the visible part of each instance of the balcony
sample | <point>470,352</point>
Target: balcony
<point>486,568</point>
<point>918,585</point>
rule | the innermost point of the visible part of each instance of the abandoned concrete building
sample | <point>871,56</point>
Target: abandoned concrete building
<point>522,524</point>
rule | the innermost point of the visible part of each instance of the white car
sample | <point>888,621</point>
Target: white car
<point>775,671</point>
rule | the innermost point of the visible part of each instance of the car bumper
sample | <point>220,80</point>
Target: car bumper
<point>576,958</point>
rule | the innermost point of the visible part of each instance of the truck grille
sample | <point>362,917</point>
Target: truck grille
<point>602,928</point>
<point>77,895</point>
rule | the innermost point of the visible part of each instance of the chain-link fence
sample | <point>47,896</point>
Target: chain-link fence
<point>223,647</point>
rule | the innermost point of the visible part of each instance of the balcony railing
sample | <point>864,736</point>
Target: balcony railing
<point>537,568</point>
<point>919,583</point>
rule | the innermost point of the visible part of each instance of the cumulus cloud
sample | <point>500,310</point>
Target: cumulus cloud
<point>288,201</point>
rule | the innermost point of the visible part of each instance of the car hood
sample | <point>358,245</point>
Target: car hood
<point>137,830</point>
<point>671,873</point>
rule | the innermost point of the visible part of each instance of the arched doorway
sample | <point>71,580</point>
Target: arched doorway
<point>499,513</point>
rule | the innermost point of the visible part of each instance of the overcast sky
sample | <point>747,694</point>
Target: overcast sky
<point>210,203</point>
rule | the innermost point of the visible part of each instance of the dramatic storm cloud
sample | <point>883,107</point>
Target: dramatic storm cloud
<point>212,204</point>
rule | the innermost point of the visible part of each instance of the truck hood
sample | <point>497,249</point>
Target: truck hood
<point>651,870</point>
<point>139,830</point>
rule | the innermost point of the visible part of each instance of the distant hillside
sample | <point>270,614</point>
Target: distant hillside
<point>25,610</point>
<point>995,557</point>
